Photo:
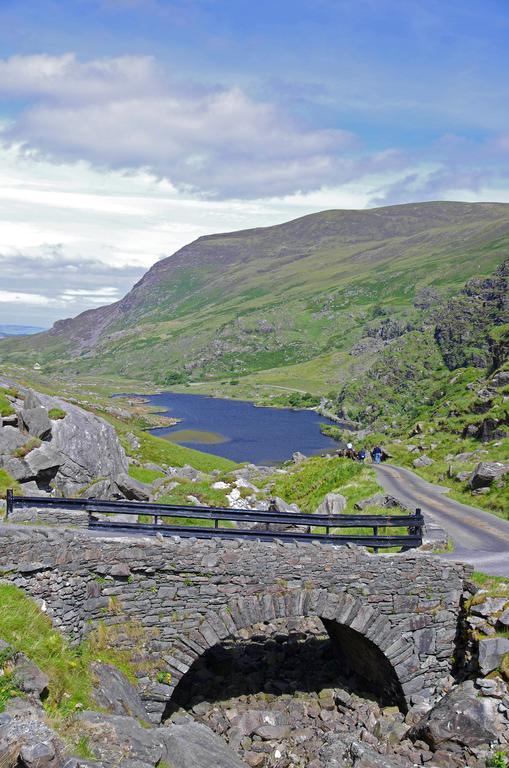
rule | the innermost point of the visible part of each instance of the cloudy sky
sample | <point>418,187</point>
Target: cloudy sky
<point>130,127</point>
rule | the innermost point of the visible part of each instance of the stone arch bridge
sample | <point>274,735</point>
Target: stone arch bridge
<point>392,619</point>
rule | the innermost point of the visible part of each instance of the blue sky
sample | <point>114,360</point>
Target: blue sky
<point>129,127</point>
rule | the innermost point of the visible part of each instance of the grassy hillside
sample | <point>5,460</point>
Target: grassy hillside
<point>286,306</point>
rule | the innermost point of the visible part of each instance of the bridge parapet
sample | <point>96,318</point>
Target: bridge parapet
<point>393,619</point>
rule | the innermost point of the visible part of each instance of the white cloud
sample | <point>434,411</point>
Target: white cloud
<point>123,113</point>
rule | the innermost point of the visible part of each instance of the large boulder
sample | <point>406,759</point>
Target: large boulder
<point>486,472</point>
<point>189,744</point>
<point>114,693</point>
<point>461,718</point>
<point>43,459</point>
<point>88,446</point>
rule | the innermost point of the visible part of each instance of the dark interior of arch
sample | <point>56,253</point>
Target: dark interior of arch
<point>361,660</point>
<point>288,662</point>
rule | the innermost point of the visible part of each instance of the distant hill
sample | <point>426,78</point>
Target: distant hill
<point>19,330</point>
<point>310,303</point>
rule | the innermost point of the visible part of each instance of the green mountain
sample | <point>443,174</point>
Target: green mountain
<point>309,304</point>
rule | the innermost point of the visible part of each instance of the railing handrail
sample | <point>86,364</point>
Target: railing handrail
<point>414,523</point>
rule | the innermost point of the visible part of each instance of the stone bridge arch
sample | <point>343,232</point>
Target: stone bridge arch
<point>365,640</point>
<point>395,614</point>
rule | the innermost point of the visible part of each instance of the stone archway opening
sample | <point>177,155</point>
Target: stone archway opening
<point>290,657</point>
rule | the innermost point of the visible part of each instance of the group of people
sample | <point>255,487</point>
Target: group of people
<point>349,452</point>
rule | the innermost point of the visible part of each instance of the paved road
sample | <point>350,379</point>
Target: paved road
<point>479,538</point>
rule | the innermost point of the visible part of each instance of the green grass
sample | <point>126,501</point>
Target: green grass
<point>158,451</point>
<point>309,481</point>
<point>6,482</point>
<point>202,490</point>
<point>29,631</point>
<point>56,414</point>
<point>285,303</point>
<point>6,408</point>
<point>143,475</point>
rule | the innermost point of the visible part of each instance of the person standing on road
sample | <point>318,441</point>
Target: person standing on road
<point>376,454</point>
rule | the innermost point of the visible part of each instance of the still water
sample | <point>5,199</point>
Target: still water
<point>240,431</point>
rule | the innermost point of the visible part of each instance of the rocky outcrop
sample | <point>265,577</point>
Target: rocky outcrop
<point>55,445</point>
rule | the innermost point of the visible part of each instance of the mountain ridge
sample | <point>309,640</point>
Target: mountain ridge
<point>230,304</point>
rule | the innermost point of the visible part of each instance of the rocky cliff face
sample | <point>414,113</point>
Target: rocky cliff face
<point>49,444</point>
<point>412,368</point>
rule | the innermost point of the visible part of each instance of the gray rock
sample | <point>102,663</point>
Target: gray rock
<point>486,472</point>
<point>283,506</point>
<point>36,421</point>
<point>422,461</point>
<point>10,440</point>
<point>491,652</point>
<point>88,445</point>
<point>31,678</point>
<point>38,755</point>
<point>186,472</point>
<point>501,379</point>
<point>117,740</point>
<point>18,469</point>
<point>131,488</point>
<point>43,459</point>
<point>114,693</point>
<point>333,504</point>
<point>460,718</point>
<point>189,744</point>
<point>384,500</point>
<point>30,488</point>
<point>489,606</point>
<point>504,618</point>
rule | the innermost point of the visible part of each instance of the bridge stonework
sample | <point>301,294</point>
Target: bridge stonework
<point>393,619</point>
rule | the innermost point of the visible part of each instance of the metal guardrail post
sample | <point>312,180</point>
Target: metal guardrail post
<point>9,498</point>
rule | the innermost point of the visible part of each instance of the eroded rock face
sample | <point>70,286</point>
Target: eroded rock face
<point>66,453</point>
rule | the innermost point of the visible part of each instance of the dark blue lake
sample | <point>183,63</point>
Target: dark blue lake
<point>240,431</point>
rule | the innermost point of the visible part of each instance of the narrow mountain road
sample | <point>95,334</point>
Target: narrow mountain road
<point>479,538</point>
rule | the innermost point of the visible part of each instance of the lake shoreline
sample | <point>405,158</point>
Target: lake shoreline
<point>240,430</point>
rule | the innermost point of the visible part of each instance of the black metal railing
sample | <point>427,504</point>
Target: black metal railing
<point>303,527</point>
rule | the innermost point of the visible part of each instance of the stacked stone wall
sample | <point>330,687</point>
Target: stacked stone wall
<point>188,595</point>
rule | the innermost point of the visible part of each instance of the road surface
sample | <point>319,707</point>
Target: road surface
<point>479,537</point>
